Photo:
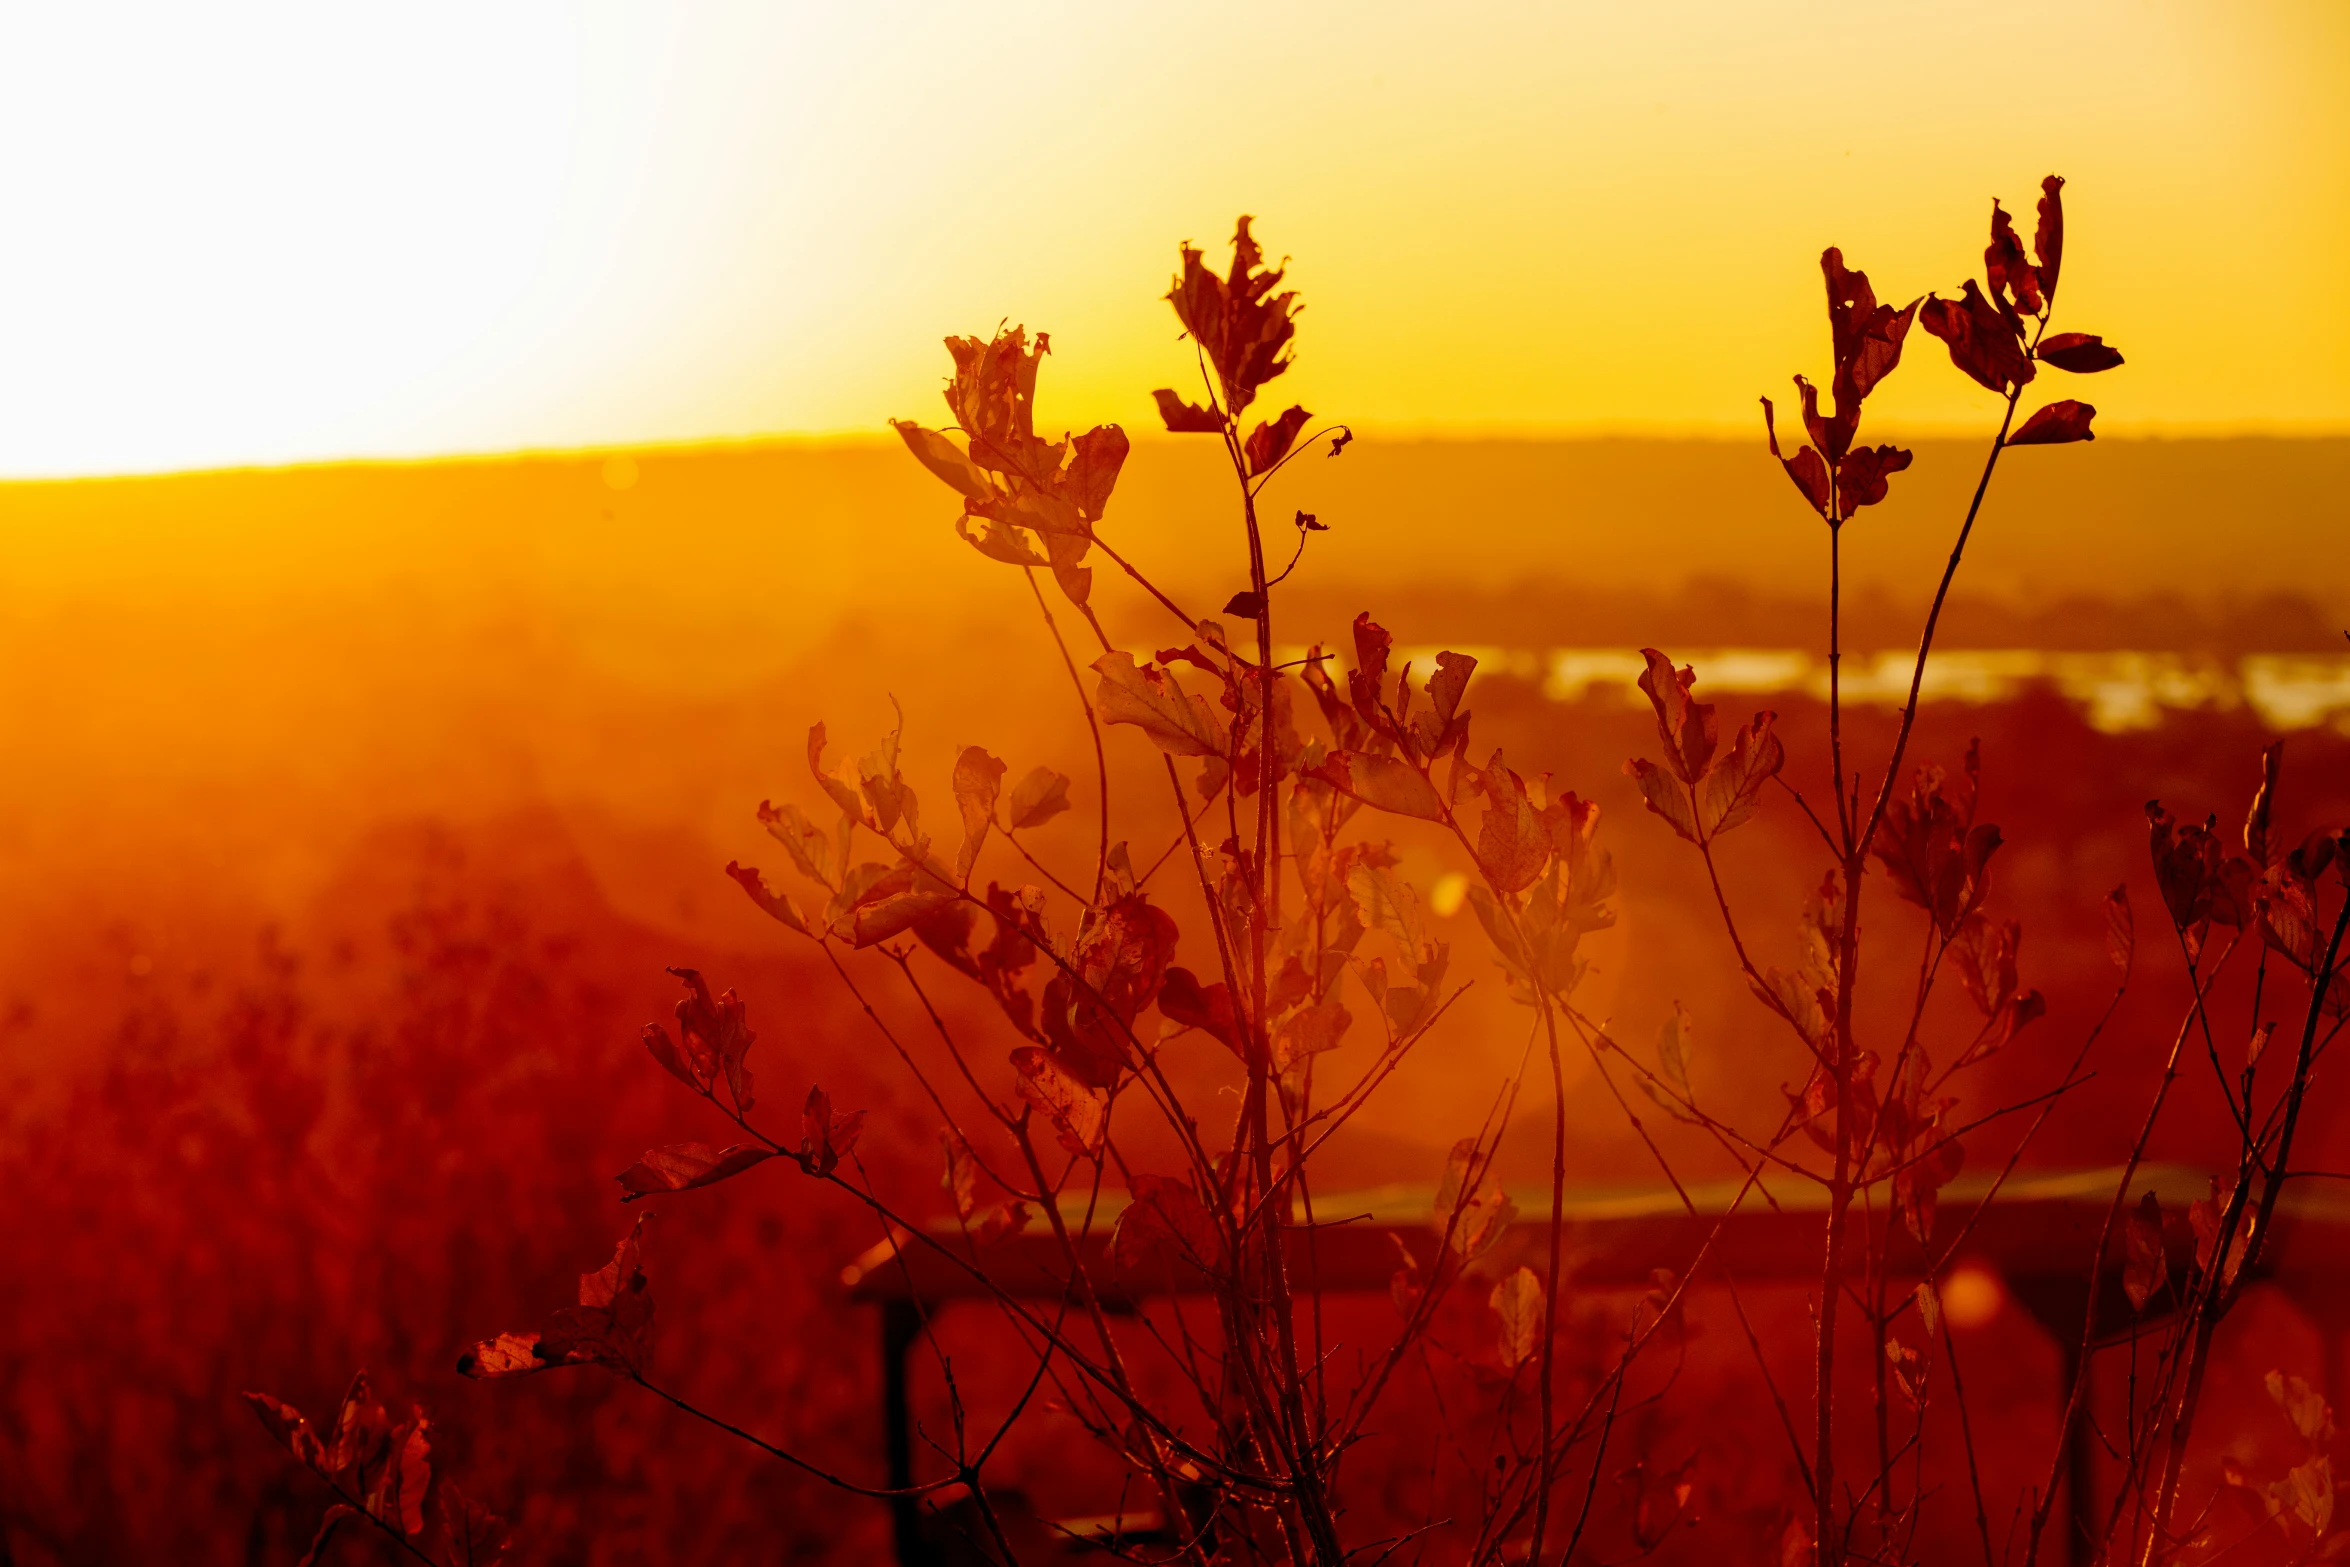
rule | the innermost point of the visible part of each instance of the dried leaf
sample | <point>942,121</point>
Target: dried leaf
<point>1208,1008</point>
<point>2011,278</point>
<point>1308,1032</point>
<point>2258,820</point>
<point>1919,1181</point>
<point>961,1178</point>
<point>978,779</point>
<point>467,1533</point>
<point>1166,1221</point>
<point>1037,799</point>
<point>2205,1216</point>
<point>1807,468</point>
<point>1732,790</point>
<point>944,459</point>
<point>1984,341</point>
<point>2146,1265</point>
<point>287,1425</point>
<point>2048,240</point>
<point>1664,795</point>
<point>1185,418</point>
<point>336,1516</point>
<point>1686,726</point>
<point>1861,477</point>
<point>2303,1405</point>
<point>1095,459</point>
<point>1079,1113</point>
<point>2308,1494</point>
<point>1517,1302</point>
<point>682,1166</point>
<point>1471,1214</point>
<point>1385,783</point>
<point>838,789</point>
<point>2056,425</point>
<point>1513,843</point>
<point>819,855</point>
<point>717,1039</point>
<point>1436,728</point>
<point>1149,698</point>
<point>777,905</point>
<point>1671,1090</point>
<point>1242,326</point>
<point>2083,353</point>
<point>2121,941</point>
<point>826,1139</point>
<point>1268,443</point>
<point>1001,1223</point>
<point>611,1326</point>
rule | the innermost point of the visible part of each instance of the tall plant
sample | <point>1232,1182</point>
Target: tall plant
<point>1281,771</point>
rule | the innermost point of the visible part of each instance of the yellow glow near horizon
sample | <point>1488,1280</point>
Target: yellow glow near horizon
<point>247,233</point>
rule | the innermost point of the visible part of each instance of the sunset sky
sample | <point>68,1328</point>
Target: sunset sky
<point>245,234</point>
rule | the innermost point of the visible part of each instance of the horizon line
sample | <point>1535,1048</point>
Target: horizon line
<point>1418,433</point>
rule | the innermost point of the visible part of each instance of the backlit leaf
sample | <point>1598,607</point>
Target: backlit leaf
<point>1242,326</point>
<point>336,1516</point>
<point>1268,443</point>
<point>1165,1220</point>
<point>2056,425</point>
<point>1665,795</point>
<point>1472,1212</point>
<point>1386,783</point>
<point>466,1534</point>
<point>1079,1114</point>
<point>2303,1405</point>
<point>2009,276</point>
<point>1732,790</point>
<point>2083,353</point>
<point>1186,418</point>
<point>2048,239</point>
<point>2146,1266</point>
<point>1208,1008</point>
<point>1037,799</point>
<point>961,1177</point>
<point>1807,468</point>
<point>1686,726</point>
<point>2121,940</point>
<point>1308,1032</point>
<point>826,1139</point>
<point>1149,698</point>
<point>1513,842</point>
<point>1861,477</point>
<point>717,1038</point>
<point>777,905</point>
<point>978,779</point>
<point>842,793</point>
<point>944,459</point>
<point>1517,1303</point>
<point>682,1166</point>
<point>611,1326</point>
<point>1984,341</point>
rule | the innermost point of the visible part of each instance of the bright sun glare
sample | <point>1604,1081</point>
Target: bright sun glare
<point>253,233</point>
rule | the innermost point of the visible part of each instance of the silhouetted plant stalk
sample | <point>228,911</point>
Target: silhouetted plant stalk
<point>1290,904</point>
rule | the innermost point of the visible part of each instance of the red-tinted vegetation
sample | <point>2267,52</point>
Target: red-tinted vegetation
<point>371,1145</point>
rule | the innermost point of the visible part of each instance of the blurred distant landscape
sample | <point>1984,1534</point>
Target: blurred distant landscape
<point>384,791</point>
<point>290,656</point>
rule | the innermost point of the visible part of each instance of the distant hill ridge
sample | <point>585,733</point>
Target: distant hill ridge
<point>2228,544</point>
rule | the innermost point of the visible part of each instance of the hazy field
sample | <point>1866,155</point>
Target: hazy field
<point>353,812</point>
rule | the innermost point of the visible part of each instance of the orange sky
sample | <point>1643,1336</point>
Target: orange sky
<point>245,233</point>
